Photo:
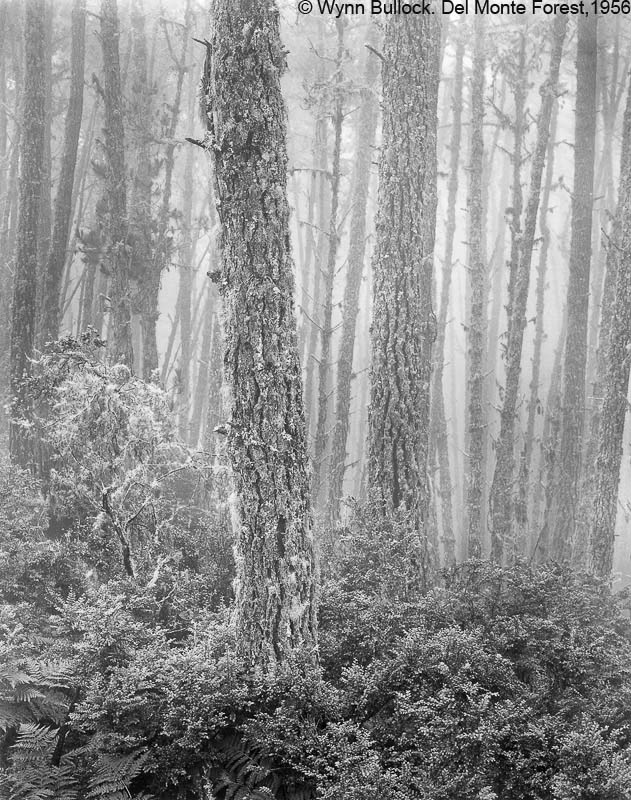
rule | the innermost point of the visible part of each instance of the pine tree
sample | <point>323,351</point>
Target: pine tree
<point>565,494</point>
<point>276,602</point>
<point>117,256</point>
<point>404,326</point>
<point>618,363</point>
<point>26,260</point>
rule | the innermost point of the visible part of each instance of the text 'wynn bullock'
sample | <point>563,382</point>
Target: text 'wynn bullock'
<point>376,8</point>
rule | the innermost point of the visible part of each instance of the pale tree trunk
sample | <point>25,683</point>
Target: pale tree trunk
<point>573,395</point>
<point>116,256</point>
<point>404,326</point>
<point>477,313</point>
<point>504,521</point>
<point>438,426</point>
<point>149,284</point>
<point>267,446</point>
<point>140,210</point>
<point>185,294</point>
<point>616,383</point>
<point>326,330</point>
<point>23,321</point>
<point>53,275</point>
<point>364,145</point>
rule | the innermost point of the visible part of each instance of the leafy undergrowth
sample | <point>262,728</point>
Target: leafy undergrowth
<point>498,683</point>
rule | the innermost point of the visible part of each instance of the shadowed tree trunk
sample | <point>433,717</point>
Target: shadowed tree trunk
<point>26,259</point>
<point>116,256</point>
<point>404,326</point>
<point>276,594</point>
<point>573,395</point>
<point>618,362</point>
<point>477,319</point>
<point>51,312</point>
<point>502,506</point>
<point>365,142</point>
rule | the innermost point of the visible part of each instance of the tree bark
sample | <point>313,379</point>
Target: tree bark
<point>502,518</point>
<point>276,587</point>
<point>26,261</point>
<point>618,362</point>
<point>573,395</point>
<point>117,255</point>
<point>51,312</point>
<point>477,321</point>
<point>404,326</point>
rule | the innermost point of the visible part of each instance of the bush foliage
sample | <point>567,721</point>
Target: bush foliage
<point>498,683</point>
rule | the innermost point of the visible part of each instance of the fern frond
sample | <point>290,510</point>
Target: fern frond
<point>115,773</point>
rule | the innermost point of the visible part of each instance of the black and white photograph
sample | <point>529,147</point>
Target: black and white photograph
<point>315,452</point>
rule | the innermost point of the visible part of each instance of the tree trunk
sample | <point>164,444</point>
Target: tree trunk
<point>326,330</point>
<point>116,256</point>
<point>404,326</point>
<point>618,362</point>
<point>501,502</point>
<point>534,402</point>
<point>185,293</point>
<point>51,312</point>
<point>276,592</point>
<point>26,260</point>
<point>477,320</point>
<point>149,285</point>
<point>364,145</point>
<point>438,428</point>
<point>573,395</point>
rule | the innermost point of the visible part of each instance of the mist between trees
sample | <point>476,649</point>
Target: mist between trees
<point>315,348</point>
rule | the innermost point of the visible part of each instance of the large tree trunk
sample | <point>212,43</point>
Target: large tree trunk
<point>404,326</point>
<point>573,395</point>
<point>117,257</point>
<point>51,312</point>
<point>477,321</point>
<point>365,142</point>
<point>503,520</point>
<point>26,261</point>
<point>276,594</point>
<point>618,362</point>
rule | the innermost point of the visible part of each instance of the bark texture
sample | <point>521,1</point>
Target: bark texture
<point>117,253</point>
<point>618,362</point>
<point>477,315</point>
<point>26,259</point>
<point>404,326</point>
<point>573,394</point>
<point>276,594</point>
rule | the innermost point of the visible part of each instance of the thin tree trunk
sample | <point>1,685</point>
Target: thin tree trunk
<point>534,402</point>
<point>501,501</point>
<point>573,397</point>
<point>438,427</point>
<point>267,446</point>
<point>149,287</point>
<point>476,422</point>
<point>117,258</point>
<point>21,444</point>
<point>364,145</point>
<point>618,362</point>
<point>51,312</point>
<point>404,326</point>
